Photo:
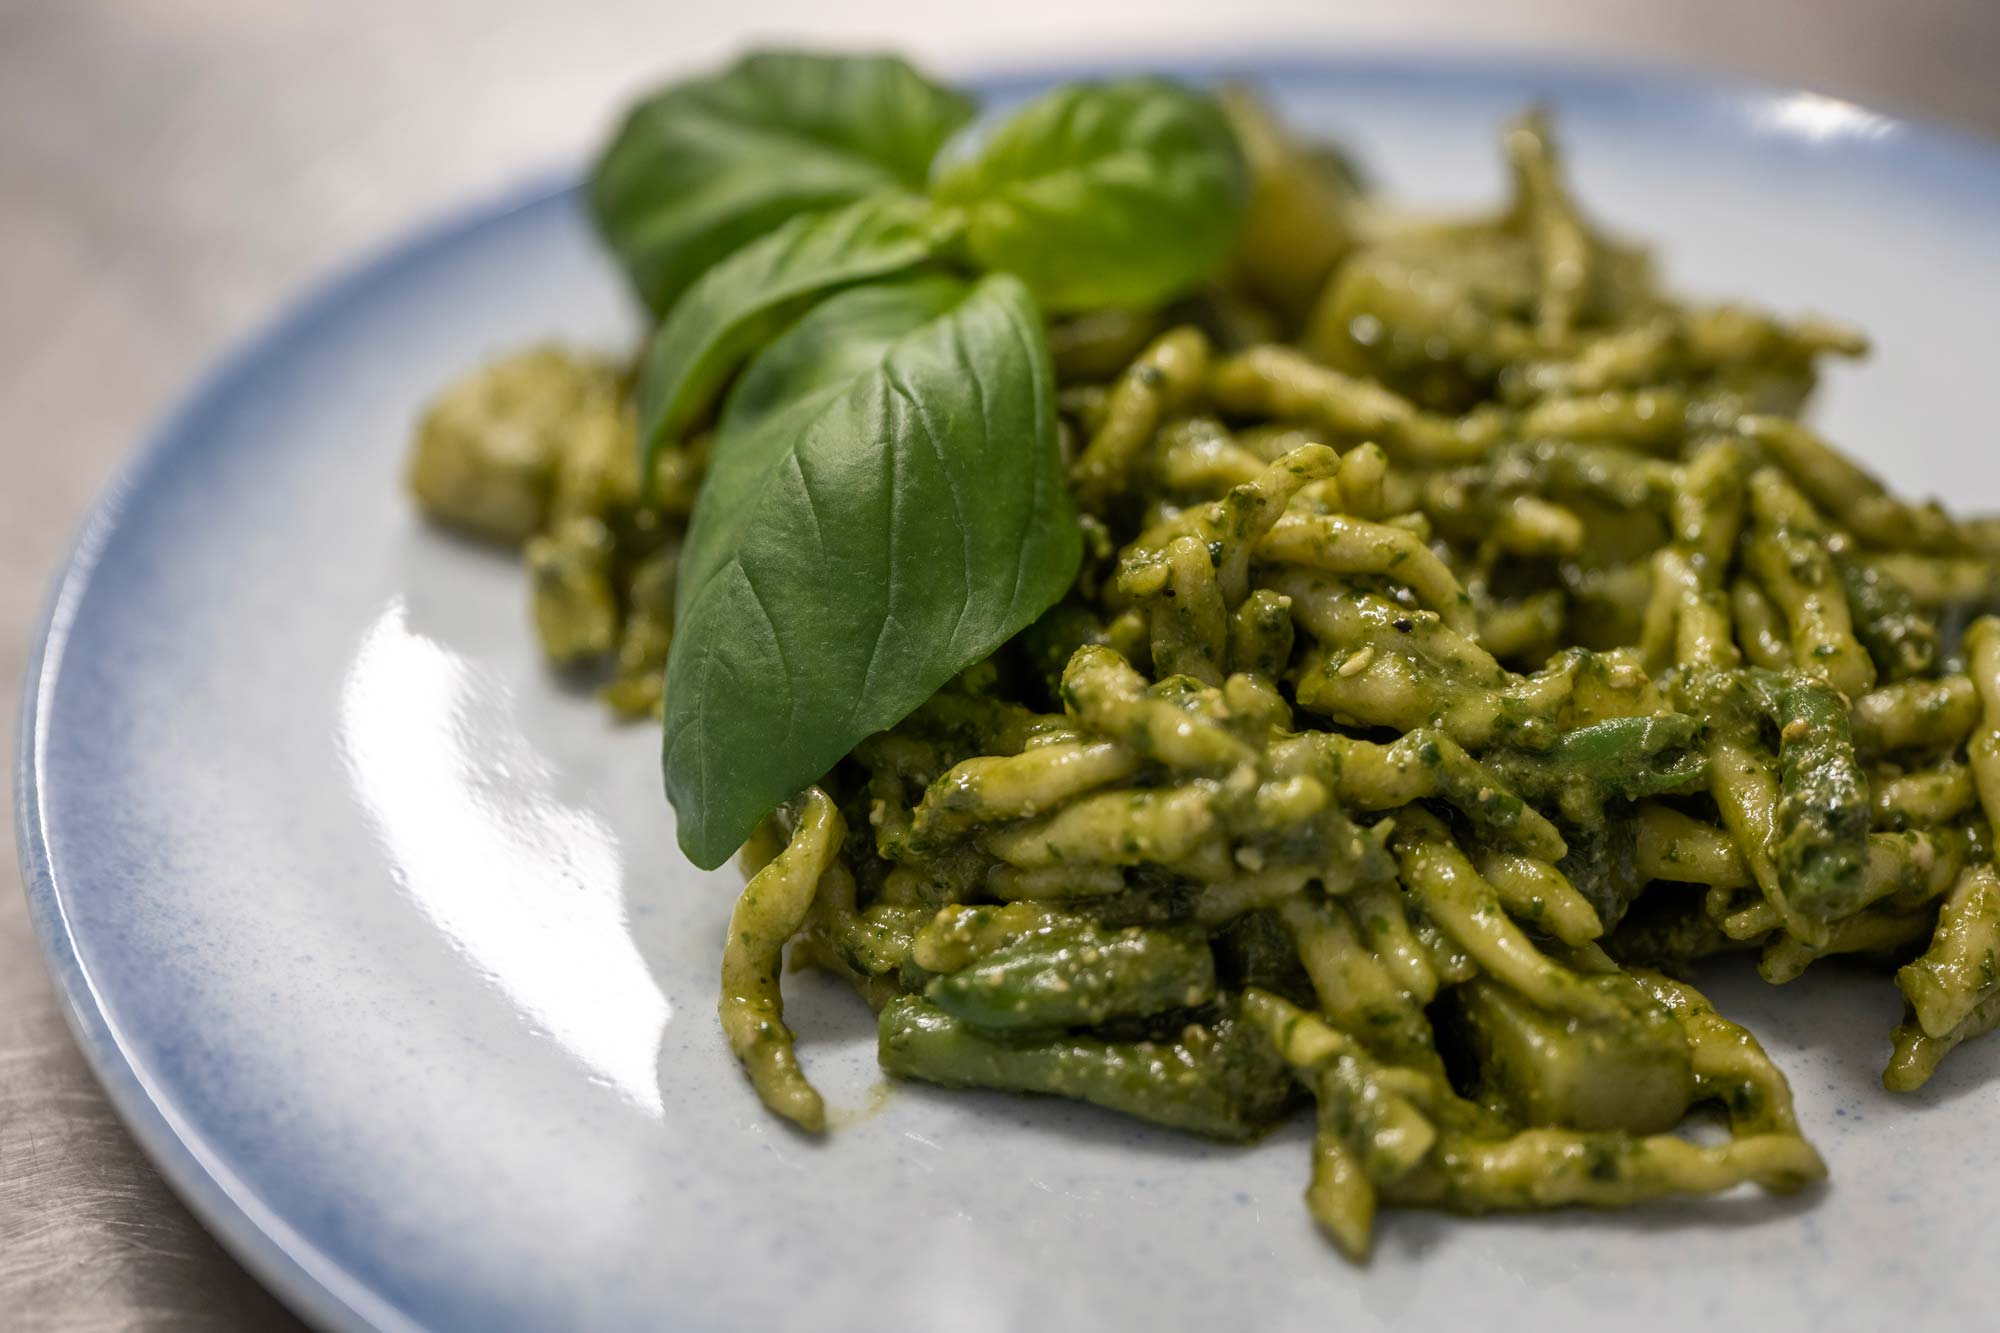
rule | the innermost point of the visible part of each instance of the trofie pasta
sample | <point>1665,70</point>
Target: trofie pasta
<point>1467,638</point>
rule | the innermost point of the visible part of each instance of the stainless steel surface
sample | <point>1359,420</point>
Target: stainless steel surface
<point>173,170</point>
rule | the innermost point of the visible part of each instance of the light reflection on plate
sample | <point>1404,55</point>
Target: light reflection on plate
<point>529,888</point>
<point>1819,118</point>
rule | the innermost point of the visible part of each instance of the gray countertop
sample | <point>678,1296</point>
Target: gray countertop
<point>171,171</point>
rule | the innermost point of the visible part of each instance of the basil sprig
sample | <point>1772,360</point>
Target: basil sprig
<point>1113,194</point>
<point>706,166</point>
<point>735,307</point>
<point>884,504</point>
<point>888,511</point>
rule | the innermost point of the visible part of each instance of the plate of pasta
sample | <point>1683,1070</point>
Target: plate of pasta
<point>1350,688</point>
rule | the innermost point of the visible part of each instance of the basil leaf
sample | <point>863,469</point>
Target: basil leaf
<point>709,165</point>
<point>747,297</point>
<point>1118,194</point>
<point>885,507</point>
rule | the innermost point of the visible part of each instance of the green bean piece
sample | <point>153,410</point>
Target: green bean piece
<point>770,911</point>
<point>575,606</point>
<point>1820,827</point>
<point>1079,975</point>
<point>1904,871</point>
<point>1961,969</point>
<point>1803,836</point>
<point>1624,758</point>
<point>1743,783</point>
<point>1218,1078</point>
<point>1898,636</point>
<point>1166,376</point>
<point>1630,1073</point>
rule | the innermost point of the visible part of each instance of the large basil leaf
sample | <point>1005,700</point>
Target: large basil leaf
<point>885,507</point>
<point>1118,194</point>
<point>708,165</point>
<point>741,302</point>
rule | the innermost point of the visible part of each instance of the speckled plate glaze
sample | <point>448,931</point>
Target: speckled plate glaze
<point>377,935</point>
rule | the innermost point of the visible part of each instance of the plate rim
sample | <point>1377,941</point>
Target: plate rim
<point>291,1265</point>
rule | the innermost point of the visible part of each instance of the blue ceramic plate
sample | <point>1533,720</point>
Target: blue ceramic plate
<point>378,938</point>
